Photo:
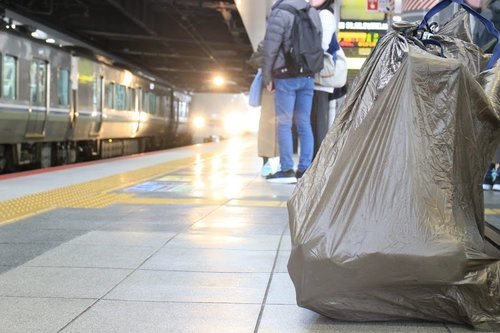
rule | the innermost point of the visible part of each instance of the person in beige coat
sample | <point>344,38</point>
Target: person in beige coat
<point>267,144</point>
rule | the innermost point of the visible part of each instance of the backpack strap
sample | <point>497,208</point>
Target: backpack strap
<point>333,47</point>
<point>292,9</point>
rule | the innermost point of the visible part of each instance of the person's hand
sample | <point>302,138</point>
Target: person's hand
<point>270,87</point>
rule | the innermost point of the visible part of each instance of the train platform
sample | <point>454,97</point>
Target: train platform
<point>184,240</point>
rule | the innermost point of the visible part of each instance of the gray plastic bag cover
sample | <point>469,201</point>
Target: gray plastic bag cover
<point>387,224</point>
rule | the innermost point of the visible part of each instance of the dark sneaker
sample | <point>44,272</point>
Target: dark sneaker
<point>282,177</point>
<point>488,180</point>
<point>299,174</point>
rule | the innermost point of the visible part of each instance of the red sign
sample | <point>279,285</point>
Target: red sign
<point>372,5</point>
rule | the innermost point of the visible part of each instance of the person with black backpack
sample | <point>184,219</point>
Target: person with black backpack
<point>320,112</point>
<point>292,54</point>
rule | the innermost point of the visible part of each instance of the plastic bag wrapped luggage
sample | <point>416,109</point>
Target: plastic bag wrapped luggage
<point>388,222</point>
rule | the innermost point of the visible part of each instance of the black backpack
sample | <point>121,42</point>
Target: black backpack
<point>305,57</point>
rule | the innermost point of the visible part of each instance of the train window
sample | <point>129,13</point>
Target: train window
<point>109,91</point>
<point>168,105</point>
<point>42,81</point>
<point>97,93</point>
<point>145,103</point>
<point>176,108</point>
<point>126,104</point>
<point>182,109</point>
<point>164,106</point>
<point>121,98</point>
<point>150,103</point>
<point>160,106</point>
<point>131,99</point>
<point>63,87</point>
<point>9,77</point>
<point>140,100</point>
<point>38,82</point>
<point>33,80</point>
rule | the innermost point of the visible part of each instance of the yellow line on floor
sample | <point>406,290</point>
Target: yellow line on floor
<point>171,201</point>
<point>99,193</point>
<point>198,201</point>
<point>92,194</point>
<point>257,203</point>
<point>491,211</point>
<point>175,178</point>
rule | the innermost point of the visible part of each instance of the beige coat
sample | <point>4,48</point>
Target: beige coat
<point>268,136</point>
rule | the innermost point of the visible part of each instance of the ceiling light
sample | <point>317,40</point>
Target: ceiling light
<point>39,34</point>
<point>219,81</point>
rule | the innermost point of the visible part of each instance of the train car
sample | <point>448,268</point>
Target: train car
<point>183,131</point>
<point>58,106</point>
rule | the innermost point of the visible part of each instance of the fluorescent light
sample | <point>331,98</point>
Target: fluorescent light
<point>39,34</point>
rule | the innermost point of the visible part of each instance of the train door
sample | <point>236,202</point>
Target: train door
<point>97,105</point>
<point>73,115</point>
<point>39,99</point>
<point>176,114</point>
<point>172,117</point>
<point>139,108</point>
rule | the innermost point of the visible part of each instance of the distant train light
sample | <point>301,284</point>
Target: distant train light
<point>252,122</point>
<point>199,122</point>
<point>233,124</point>
<point>219,81</point>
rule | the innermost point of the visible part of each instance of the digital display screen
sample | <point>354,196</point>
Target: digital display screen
<point>363,39</point>
<point>355,10</point>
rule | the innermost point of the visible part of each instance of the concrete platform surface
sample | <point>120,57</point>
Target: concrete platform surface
<point>186,240</point>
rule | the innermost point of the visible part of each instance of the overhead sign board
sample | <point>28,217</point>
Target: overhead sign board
<point>382,6</point>
<point>357,10</point>
<point>372,5</point>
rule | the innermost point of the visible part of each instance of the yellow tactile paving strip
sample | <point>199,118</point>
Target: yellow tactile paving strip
<point>96,193</point>
<point>92,194</point>
<point>491,211</point>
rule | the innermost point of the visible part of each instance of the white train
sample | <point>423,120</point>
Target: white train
<point>59,107</point>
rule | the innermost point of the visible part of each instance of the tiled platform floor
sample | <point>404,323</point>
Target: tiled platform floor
<point>147,267</point>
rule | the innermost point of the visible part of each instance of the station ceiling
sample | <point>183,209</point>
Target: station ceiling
<point>185,42</point>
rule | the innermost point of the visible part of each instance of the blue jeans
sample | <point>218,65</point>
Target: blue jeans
<point>294,96</point>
